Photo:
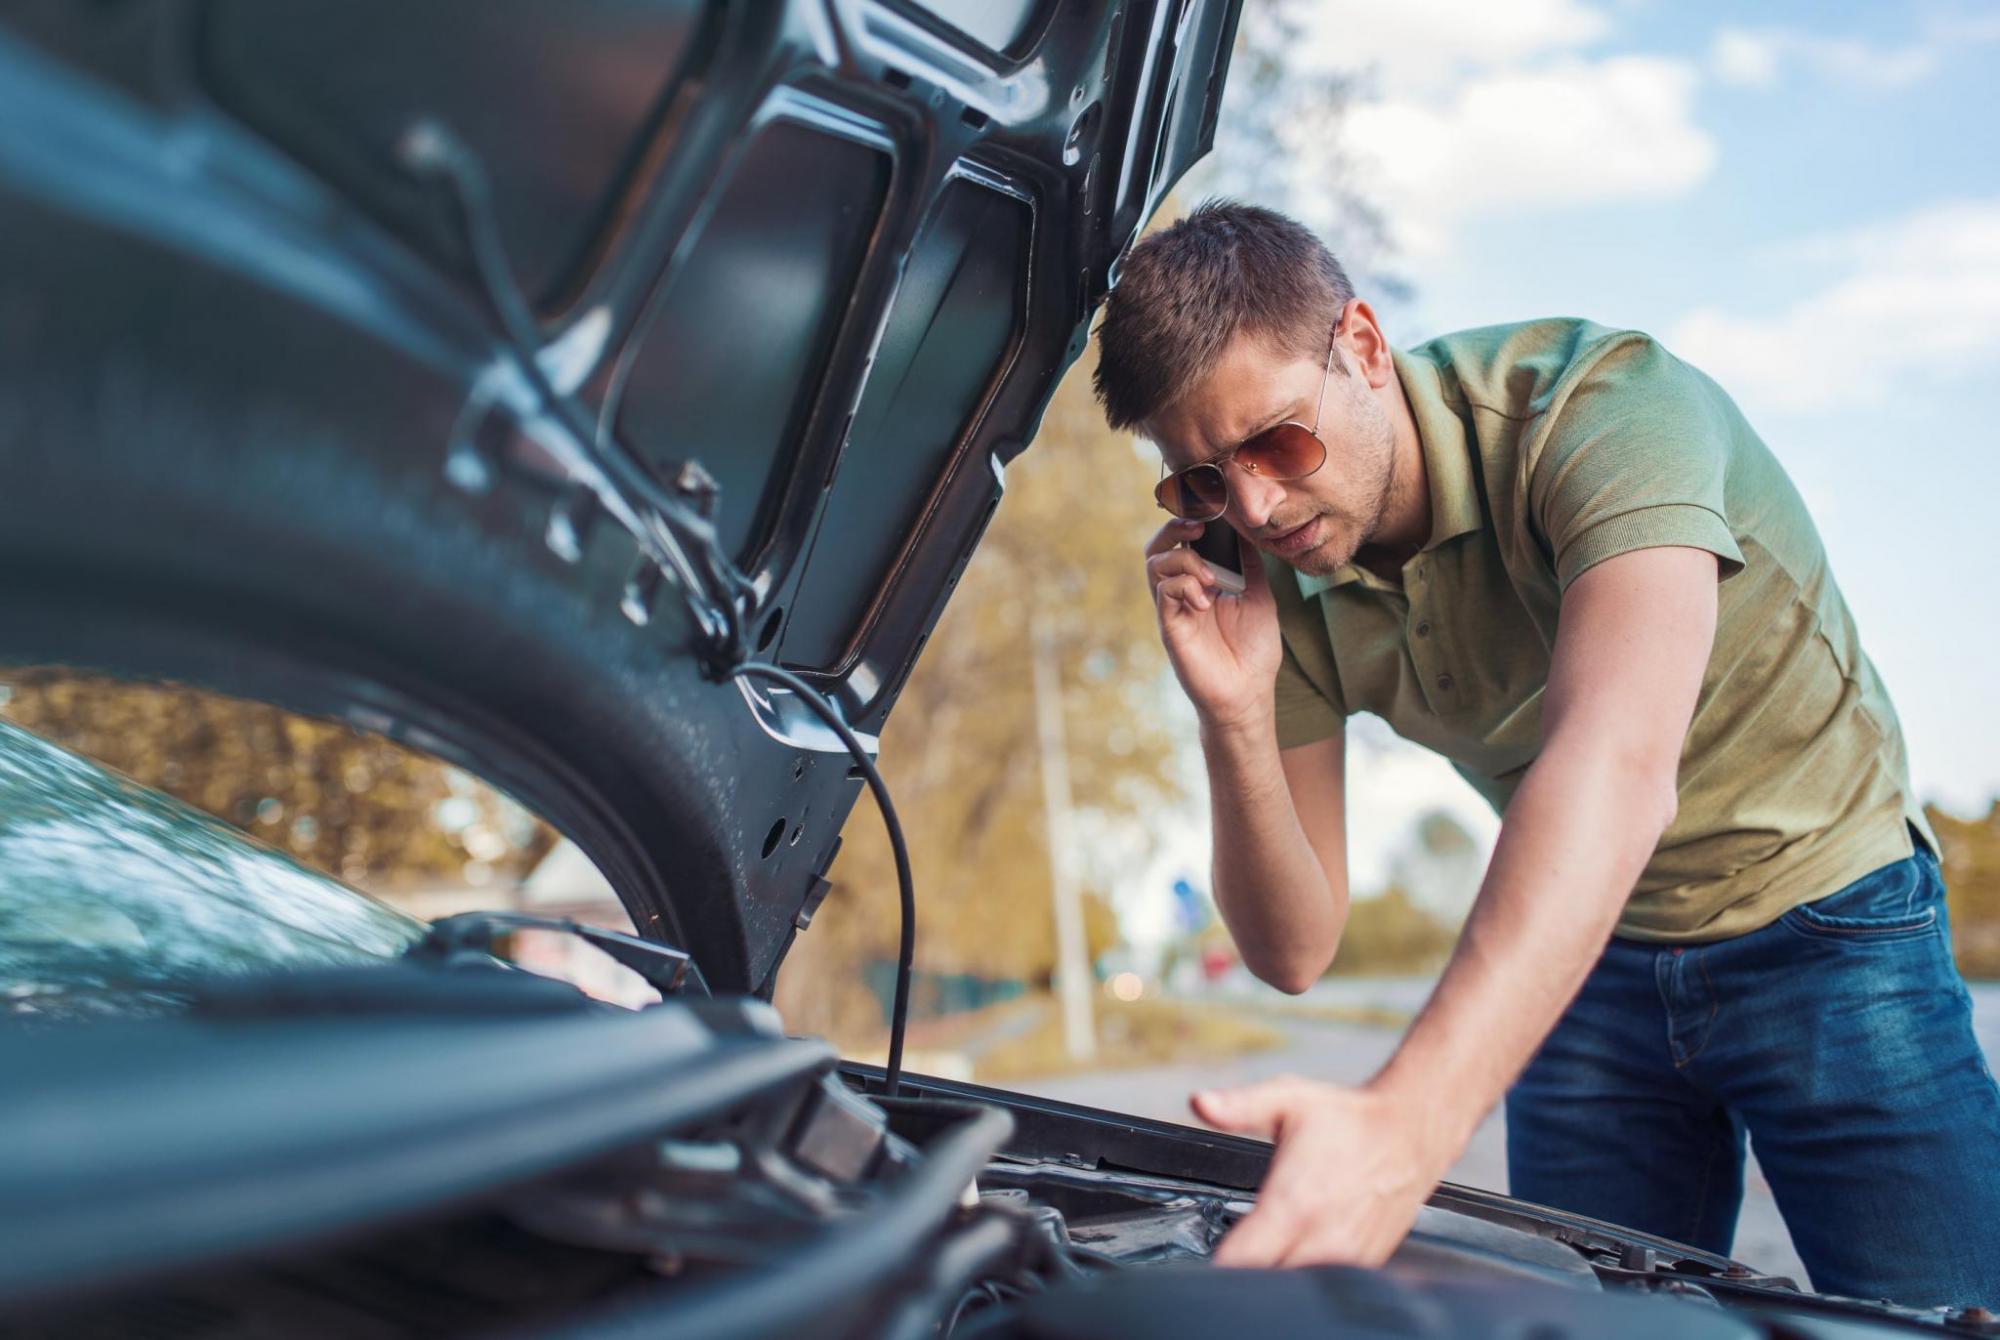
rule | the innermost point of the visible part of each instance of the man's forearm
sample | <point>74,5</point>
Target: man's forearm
<point>1353,1166</point>
<point>1575,839</point>
<point>1280,905</point>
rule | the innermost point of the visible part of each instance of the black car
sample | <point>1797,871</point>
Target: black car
<point>603,396</point>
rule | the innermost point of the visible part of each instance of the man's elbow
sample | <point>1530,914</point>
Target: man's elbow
<point>1291,973</point>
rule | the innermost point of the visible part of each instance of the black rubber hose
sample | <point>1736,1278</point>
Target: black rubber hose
<point>432,148</point>
<point>906,951</point>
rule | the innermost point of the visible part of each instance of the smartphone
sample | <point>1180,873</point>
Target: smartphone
<point>1217,546</point>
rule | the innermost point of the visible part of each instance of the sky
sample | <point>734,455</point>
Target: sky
<point>1802,199</point>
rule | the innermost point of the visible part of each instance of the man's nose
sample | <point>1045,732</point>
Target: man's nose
<point>1253,496</point>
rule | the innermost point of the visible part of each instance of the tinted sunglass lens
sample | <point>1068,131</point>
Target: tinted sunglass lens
<point>1201,493</point>
<point>1204,491</point>
<point>1197,494</point>
<point>1288,451</point>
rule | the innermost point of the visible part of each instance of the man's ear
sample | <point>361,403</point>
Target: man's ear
<point>1362,341</point>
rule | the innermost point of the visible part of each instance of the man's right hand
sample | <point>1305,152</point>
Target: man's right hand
<point>1225,649</point>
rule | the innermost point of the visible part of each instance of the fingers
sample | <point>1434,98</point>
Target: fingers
<point>1182,592</point>
<point>1256,1110</point>
<point>1176,562</point>
<point>1179,561</point>
<point>1272,1232</point>
<point>1177,531</point>
<point>1166,556</point>
<point>1263,1237</point>
<point>1346,1180</point>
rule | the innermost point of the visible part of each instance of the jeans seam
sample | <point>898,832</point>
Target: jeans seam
<point>1663,968</point>
<point>1708,1024</point>
<point>1809,930</point>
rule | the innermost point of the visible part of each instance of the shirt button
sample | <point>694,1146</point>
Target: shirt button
<point>1423,628</point>
<point>1445,682</point>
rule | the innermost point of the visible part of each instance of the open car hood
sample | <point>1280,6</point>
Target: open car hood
<point>297,413</point>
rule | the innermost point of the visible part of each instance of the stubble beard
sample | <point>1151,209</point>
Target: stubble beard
<point>1353,530</point>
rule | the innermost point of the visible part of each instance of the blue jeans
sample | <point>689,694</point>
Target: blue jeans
<point>1839,1038</point>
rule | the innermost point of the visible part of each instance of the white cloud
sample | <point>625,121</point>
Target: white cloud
<point>1570,133</point>
<point>1913,302</point>
<point>1502,108</point>
<point>1754,57</point>
<point>1749,59</point>
<point>1418,44</point>
<point>1757,57</point>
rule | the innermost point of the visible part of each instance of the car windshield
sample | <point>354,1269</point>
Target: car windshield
<point>117,899</point>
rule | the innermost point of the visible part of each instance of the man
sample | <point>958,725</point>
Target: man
<point>1560,558</point>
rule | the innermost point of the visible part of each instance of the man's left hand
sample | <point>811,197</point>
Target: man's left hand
<point>1351,1170</point>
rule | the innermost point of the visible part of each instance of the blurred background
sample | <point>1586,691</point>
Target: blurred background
<point>1804,202</point>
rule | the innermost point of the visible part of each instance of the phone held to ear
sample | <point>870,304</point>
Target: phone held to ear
<point>1217,546</point>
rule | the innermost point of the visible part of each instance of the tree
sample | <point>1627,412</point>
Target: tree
<point>1441,868</point>
<point>1279,142</point>
<point>355,806</point>
<point>1389,933</point>
<point>1971,861</point>
<point>959,750</point>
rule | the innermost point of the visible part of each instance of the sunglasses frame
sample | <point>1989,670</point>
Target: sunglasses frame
<point>1222,458</point>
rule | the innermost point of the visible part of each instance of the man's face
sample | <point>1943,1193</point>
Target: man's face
<point>1317,523</point>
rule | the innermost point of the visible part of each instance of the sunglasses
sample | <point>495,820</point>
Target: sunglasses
<point>1288,450</point>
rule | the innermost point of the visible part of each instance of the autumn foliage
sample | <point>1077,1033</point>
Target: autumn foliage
<point>355,806</point>
<point>1971,860</point>
<point>960,752</point>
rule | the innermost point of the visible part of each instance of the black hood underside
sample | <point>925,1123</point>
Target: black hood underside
<point>286,419</point>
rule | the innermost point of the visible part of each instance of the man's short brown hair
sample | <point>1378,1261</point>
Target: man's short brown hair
<point>1186,291</point>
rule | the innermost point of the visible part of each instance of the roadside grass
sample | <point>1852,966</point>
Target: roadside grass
<point>1020,1039</point>
<point>1023,1038</point>
<point>1318,1012</point>
<point>1130,1034</point>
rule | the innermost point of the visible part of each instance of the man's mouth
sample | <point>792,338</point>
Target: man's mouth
<point>1298,539</point>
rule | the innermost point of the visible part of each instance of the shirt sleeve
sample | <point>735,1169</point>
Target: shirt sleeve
<point>1635,456</point>
<point>1305,714</point>
<point>1309,702</point>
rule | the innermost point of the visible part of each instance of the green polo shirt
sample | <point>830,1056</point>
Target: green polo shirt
<point>1552,446</point>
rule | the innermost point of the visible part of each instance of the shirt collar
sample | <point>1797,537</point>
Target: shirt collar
<point>1454,489</point>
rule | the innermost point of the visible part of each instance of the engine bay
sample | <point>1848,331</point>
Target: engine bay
<point>455,1151</point>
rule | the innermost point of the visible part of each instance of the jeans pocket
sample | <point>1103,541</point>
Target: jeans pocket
<point>1897,902</point>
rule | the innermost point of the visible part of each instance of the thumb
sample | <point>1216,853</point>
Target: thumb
<point>1257,1110</point>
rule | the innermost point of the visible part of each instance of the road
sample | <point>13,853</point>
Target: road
<point>1347,1053</point>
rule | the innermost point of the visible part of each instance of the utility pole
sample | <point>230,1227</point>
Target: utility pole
<point>1073,977</point>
